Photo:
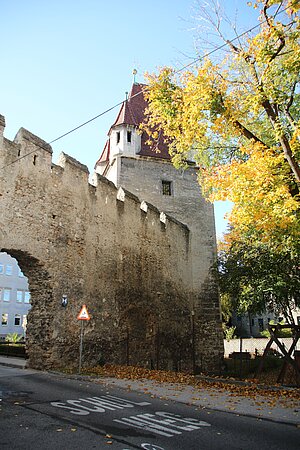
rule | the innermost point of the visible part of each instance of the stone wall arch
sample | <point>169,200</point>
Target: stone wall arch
<point>39,320</point>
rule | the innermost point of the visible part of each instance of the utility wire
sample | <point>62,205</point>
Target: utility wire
<point>88,121</point>
<point>65,134</point>
<point>200,58</point>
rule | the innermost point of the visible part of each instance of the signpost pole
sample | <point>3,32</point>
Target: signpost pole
<point>82,316</point>
<point>80,347</point>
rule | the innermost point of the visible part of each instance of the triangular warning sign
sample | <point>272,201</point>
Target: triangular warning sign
<point>83,315</point>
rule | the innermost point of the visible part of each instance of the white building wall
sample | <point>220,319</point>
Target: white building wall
<point>12,282</point>
<point>255,345</point>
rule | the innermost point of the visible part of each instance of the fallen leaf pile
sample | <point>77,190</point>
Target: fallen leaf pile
<point>251,389</point>
<point>138,373</point>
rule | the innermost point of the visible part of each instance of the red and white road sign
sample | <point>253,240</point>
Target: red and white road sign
<point>83,315</point>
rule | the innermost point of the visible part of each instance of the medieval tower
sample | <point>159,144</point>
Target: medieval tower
<point>129,161</point>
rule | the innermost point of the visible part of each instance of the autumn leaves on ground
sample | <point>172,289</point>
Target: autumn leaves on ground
<point>251,388</point>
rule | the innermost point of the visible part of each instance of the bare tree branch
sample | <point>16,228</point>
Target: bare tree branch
<point>291,99</point>
<point>247,133</point>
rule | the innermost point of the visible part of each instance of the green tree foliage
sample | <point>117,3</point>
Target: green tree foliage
<point>285,332</point>
<point>254,277</point>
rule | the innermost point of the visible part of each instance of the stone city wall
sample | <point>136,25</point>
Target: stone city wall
<point>101,247</point>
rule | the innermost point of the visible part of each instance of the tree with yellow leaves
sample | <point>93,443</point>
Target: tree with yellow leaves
<point>239,120</point>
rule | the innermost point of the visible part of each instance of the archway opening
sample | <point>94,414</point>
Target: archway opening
<point>25,304</point>
<point>15,301</point>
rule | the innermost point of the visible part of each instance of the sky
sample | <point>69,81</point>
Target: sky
<point>64,62</point>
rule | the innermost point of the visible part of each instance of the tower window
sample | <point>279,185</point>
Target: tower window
<point>128,136</point>
<point>166,187</point>
<point>118,136</point>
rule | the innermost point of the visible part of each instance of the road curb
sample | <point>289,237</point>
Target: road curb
<point>15,366</point>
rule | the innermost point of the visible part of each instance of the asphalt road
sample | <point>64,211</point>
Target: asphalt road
<point>49,411</point>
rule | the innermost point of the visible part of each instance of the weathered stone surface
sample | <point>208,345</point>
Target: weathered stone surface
<point>132,270</point>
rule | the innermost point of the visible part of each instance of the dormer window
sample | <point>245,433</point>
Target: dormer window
<point>118,136</point>
<point>129,135</point>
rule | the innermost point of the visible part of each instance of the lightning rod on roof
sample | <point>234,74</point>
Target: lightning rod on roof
<point>134,72</point>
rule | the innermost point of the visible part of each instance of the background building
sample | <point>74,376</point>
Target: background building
<point>14,297</point>
<point>250,325</point>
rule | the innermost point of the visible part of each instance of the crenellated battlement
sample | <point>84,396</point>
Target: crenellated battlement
<point>65,159</point>
<point>25,138</point>
<point>2,123</point>
<point>33,153</point>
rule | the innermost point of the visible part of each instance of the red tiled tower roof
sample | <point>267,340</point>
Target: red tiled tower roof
<point>132,112</point>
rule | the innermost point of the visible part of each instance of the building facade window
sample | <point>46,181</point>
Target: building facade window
<point>261,324</point>
<point>17,320</point>
<point>166,187</point>
<point>1,269</point>
<point>118,136</point>
<point>4,319</point>
<point>27,297</point>
<point>6,295</point>
<point>19,296</point>
<point>8,269</point>
<point>129,136</point>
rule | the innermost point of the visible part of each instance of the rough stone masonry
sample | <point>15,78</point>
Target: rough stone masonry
<point>108,249</point>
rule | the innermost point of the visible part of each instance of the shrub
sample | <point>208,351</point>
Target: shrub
<point>13,338</point>
<point>229,332</point>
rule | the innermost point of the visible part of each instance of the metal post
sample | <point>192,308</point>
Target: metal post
<point>80,347</point>
<point>241,355</point>
<point>157,347</point>
<point>127,346</point>
<point>193,342</point>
